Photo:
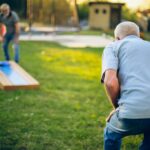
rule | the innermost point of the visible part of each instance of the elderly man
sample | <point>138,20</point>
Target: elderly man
<point>126,76</point>
<point>10,19</point>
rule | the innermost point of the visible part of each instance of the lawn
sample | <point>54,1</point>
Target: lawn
<point>67,112</point>
<point>95,32</point>
<point>85,32</point>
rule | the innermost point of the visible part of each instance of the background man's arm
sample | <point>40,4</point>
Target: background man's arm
<point>17,32</point>
<point>1,32</point>
<point>112,86</point>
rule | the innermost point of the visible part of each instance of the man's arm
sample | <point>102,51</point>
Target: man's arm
<point>1,32</point>
<point>17,28</point>
<point>112,86</point>
<point>1,29</point>
<point>17,32</point>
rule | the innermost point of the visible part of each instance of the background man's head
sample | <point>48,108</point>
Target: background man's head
<point>5,9</point>
<point>126,28</point>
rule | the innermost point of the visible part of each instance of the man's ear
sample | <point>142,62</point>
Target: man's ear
<point>118,38</point>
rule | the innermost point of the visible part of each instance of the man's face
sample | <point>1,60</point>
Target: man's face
<point>5,12</point>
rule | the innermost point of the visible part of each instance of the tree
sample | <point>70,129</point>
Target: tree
<point>129,15</point>
<point>83,11</point>
<point>50,11</point>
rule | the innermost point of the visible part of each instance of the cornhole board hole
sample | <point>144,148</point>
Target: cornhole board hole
<point>12,77</point>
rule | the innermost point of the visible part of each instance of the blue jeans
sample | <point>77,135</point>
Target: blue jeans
<point>117,128</point>
<point>7,39</point>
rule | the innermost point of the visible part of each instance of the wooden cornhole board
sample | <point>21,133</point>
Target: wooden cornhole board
<point>12,77</point>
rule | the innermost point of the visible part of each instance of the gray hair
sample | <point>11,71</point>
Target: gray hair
<point>126,28</point>
<point>4,6</point>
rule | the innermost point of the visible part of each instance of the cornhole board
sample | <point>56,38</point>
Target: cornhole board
<point>13,76</point>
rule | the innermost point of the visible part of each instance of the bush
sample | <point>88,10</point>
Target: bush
<point>83,10</point>
<point>129,15</point>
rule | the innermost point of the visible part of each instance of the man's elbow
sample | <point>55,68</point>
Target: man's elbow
<point>110,85</point>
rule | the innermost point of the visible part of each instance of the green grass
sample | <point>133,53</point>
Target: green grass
<point>84,32</point>
<point>67,112</point>
<point>147,36</point>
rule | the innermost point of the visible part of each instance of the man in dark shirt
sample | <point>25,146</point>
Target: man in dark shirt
<point>11,21</point>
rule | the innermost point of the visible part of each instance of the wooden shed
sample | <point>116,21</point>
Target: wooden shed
<point>104,15</point>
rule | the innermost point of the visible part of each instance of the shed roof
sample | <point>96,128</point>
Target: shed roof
<point>107,3</point>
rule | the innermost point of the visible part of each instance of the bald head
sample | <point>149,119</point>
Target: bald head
<point>126,28</point>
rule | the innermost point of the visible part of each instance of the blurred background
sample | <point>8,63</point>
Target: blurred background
<point>82,14</point>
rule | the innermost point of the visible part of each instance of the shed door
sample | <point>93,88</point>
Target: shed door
<point>115,17</point>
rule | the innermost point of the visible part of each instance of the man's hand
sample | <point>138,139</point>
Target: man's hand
<point>1,39</point>
<point>110,115</point>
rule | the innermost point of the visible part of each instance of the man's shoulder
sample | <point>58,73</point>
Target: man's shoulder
<point>131,38</point>
<point>137,41</point>
<point>113,46</point>
<point>15,15</point>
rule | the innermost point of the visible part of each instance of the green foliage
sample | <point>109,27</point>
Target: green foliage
<point>67,112</point>
<point>83,10</point>
<point>129,15</point>
<point>51,11</point>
